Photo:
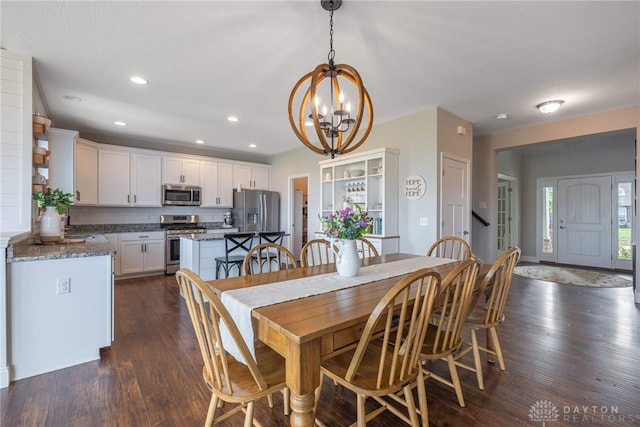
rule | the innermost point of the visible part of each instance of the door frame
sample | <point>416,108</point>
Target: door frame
<point>514,209</point>
<point>291,206</point>
<point>467,195</point>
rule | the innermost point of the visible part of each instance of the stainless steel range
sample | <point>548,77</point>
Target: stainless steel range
<point>177,225</point>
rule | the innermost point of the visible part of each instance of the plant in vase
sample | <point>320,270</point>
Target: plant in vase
<point>54,203</point>
<point>343,228</point>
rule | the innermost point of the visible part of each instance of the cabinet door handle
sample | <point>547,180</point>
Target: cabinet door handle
<point>77,195</point>
<point>128,198</point>
<point>141,247</point>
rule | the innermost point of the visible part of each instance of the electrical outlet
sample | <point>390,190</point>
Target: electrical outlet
<point>424,221</point>
<point>64,285</point>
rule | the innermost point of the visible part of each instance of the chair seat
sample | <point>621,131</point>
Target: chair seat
<point>477,316</point>
<point>244,386</point>
<point>428,352</point>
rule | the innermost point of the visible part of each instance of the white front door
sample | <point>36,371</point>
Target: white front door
<point>455,198</point>
<point>584,221</point>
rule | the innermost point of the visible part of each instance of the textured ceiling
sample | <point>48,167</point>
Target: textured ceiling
<point>207,60</point>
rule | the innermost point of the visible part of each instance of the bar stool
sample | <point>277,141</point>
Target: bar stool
<point>236,246</point>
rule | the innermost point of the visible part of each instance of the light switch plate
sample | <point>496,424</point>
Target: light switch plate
<point>424,221</point>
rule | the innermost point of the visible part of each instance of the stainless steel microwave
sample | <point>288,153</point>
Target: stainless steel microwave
<point>180,195</point>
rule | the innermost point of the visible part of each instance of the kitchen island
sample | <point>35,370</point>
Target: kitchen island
<point>60,304</point>
<point>198,251</point>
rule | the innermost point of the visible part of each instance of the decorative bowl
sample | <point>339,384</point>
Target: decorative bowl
<point>357,172</point>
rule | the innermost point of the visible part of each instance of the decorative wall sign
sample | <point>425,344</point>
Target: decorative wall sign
<point>414,187</point>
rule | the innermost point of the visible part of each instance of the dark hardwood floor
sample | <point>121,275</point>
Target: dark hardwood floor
<point>576,349</point>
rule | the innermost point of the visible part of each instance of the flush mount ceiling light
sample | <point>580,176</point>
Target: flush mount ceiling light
<point>232,119</point>
<point>199,141</point>
<point>334,89</point>
<point>119,123</point>
<point>139,80</point>
<point>550,106</point>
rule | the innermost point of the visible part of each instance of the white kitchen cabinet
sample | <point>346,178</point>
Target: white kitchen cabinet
<point>146,186</point>
<point>370,180</point>
<point>127,178</point>
<point>142,252</point>
<point>251,177</point>
<point>180,170</point>
<point>216,179</point>
<point>112,238</point>
<point>113,177</point>
<point>86,173</point>
<point>51,328</point>
<point>73,166</point>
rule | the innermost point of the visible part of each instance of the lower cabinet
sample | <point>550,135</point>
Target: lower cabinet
<point>141,252</point>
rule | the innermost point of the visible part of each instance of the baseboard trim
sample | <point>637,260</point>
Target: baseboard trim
<point>4,377</point>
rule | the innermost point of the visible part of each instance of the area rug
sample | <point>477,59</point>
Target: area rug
<point>573,276</point>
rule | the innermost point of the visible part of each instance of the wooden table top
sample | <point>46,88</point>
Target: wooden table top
<point>317,315</point>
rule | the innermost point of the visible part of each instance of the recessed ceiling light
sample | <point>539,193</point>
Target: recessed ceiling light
<point>139,80</point>
<point>550,106</point>
<point>252,145</point>
<point>199,141</point>
<point>72,98</point>
<point>119,123</point>
<point>502,116</point>
<point>232,118</point>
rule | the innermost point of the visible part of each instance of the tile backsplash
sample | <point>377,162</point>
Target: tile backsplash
<point>89,215</point>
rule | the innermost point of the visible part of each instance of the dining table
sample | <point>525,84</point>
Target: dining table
<point>307,330</point>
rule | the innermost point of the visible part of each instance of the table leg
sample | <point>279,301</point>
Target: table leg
<point>303,376</point>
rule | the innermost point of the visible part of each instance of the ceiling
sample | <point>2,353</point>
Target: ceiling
<point>206,60</point>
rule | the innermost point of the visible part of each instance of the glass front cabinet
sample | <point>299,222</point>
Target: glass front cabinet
<point>368,179</point>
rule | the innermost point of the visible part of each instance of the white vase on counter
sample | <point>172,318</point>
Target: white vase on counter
<point>50,225</point>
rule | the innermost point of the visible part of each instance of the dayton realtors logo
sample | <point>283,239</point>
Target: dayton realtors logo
<point>545,411</point>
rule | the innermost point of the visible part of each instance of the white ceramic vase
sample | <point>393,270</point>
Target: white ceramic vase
<point>347,260</point>
<point>50,225</point>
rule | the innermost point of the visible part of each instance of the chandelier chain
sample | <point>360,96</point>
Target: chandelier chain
<point>332,53</point>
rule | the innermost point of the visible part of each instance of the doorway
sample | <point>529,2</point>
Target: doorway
<point>586,220</point>
<point>507,224</point>
<point>455,206</point>
<point>298,196</point>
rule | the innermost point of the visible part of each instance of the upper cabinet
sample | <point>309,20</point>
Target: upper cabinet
<point>86,173</point>
<point>251,177</point>
<point>369,180</point>
<point>128,178</point>
<point>216,179</point>
<point>180,170</point>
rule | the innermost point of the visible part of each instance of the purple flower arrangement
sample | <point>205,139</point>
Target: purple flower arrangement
<point>347,223</point>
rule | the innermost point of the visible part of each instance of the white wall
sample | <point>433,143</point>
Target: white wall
<point>15,173</point>
<point>416,137</point>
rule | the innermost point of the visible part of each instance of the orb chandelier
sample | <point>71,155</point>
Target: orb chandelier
<point>333,92</point>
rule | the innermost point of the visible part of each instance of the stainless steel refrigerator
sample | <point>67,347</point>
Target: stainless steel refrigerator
<point>256,210</point>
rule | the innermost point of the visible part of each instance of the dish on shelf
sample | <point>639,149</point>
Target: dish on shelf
<point>357,172</point>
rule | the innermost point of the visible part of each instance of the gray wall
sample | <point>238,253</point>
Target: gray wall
<point>416,137</point>
<point>596,154</point>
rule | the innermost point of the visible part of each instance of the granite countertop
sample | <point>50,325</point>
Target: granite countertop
<point>210,236</point>
<point>28,250</point>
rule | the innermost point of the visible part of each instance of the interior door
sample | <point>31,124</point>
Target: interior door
<point>584,221</point>
<point>297,227</point>
<point>455,198</point>
<point>504,215</point>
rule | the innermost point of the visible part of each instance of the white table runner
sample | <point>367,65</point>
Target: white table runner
<point>240,302</point>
